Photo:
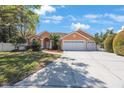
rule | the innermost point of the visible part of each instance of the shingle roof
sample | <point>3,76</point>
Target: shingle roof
<point>63,34</point>
<point>41,33</point>
<point>59,33</point>
<point>85,34</point>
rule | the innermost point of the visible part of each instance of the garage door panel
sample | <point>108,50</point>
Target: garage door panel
<point>74,45</point>
<point>91,46</point>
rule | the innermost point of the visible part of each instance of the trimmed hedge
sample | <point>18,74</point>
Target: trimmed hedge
<point>118,43</point>
<point>108,43</point>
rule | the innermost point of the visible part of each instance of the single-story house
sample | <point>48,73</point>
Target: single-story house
<point>77,40</point>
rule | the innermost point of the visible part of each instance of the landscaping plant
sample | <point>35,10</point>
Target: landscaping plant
<point>118,43</point>
<point>35,45</point>
<point>100,37</point>
<point>55,41</point>
<point>108,43</point>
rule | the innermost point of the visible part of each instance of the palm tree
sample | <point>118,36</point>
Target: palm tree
<point>100,37</point>
<point>55,41</point>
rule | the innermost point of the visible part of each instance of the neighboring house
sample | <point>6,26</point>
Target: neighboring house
<point>77,40</point>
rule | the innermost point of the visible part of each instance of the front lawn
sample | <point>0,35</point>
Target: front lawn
<point>15,66</point>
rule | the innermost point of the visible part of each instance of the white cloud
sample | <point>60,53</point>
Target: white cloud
<point>57,18</point>
<point>101,21</point>
<point>119,31</point>
<point>62,6</point>
<point>92,16</point>
<point>110,28</point>
<point>94,21</point>
<point>79,26</point>
<point>103,30</point>
<point>46,21</point>
<point>72,17</point>
<point>56,22</point>
<point>54,19</point>
<point>122,27</point>
<point>45,9</point>
<point>117,18</point>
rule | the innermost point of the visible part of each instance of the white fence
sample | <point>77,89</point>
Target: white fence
<point>10,46</point>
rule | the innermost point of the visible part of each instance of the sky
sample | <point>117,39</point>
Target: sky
<point>91,19</point>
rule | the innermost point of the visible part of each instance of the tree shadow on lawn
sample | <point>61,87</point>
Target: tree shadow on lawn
<point>18,66</point>
<point>62,75</point>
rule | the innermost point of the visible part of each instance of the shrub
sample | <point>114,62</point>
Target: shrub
<point>3,80</point>
<point>118,43</point>
<point>15,50</point>
<point>108,43</point>
<point>35,45</point>
<point>28,47</point>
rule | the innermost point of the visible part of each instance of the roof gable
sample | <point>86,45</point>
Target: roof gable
<point>44,34</point>
<point>85,34</point>
<point>74,36</point>
<point>33,36</point>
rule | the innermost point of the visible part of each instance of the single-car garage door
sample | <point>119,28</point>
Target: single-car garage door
<point>74,45</point>
<point>91,45</point>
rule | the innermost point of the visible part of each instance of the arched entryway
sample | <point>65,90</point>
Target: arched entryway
<point>34,39</point>
<point>46,43</point>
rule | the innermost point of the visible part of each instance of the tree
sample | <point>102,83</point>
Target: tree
<point>97,38</point>
<point>100,37</point>
<point>118,43</point>
<point>28,20</point>
<point>7,20</point>
<point>55,41</point>
<point>17,20</point>
<point>108,43</point>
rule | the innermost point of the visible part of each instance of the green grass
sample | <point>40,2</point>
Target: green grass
<point>15,66</point>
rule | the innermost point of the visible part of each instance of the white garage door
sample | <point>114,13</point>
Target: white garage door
<point>91,45</point>
<point>74,45</point>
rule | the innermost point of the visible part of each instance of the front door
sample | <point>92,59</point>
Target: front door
<point>46,43</point>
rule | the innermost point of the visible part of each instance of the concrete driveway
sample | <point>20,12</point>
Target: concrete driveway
<point>80,69</point>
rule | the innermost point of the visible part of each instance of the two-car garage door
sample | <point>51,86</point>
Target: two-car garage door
<point>78,45</point>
